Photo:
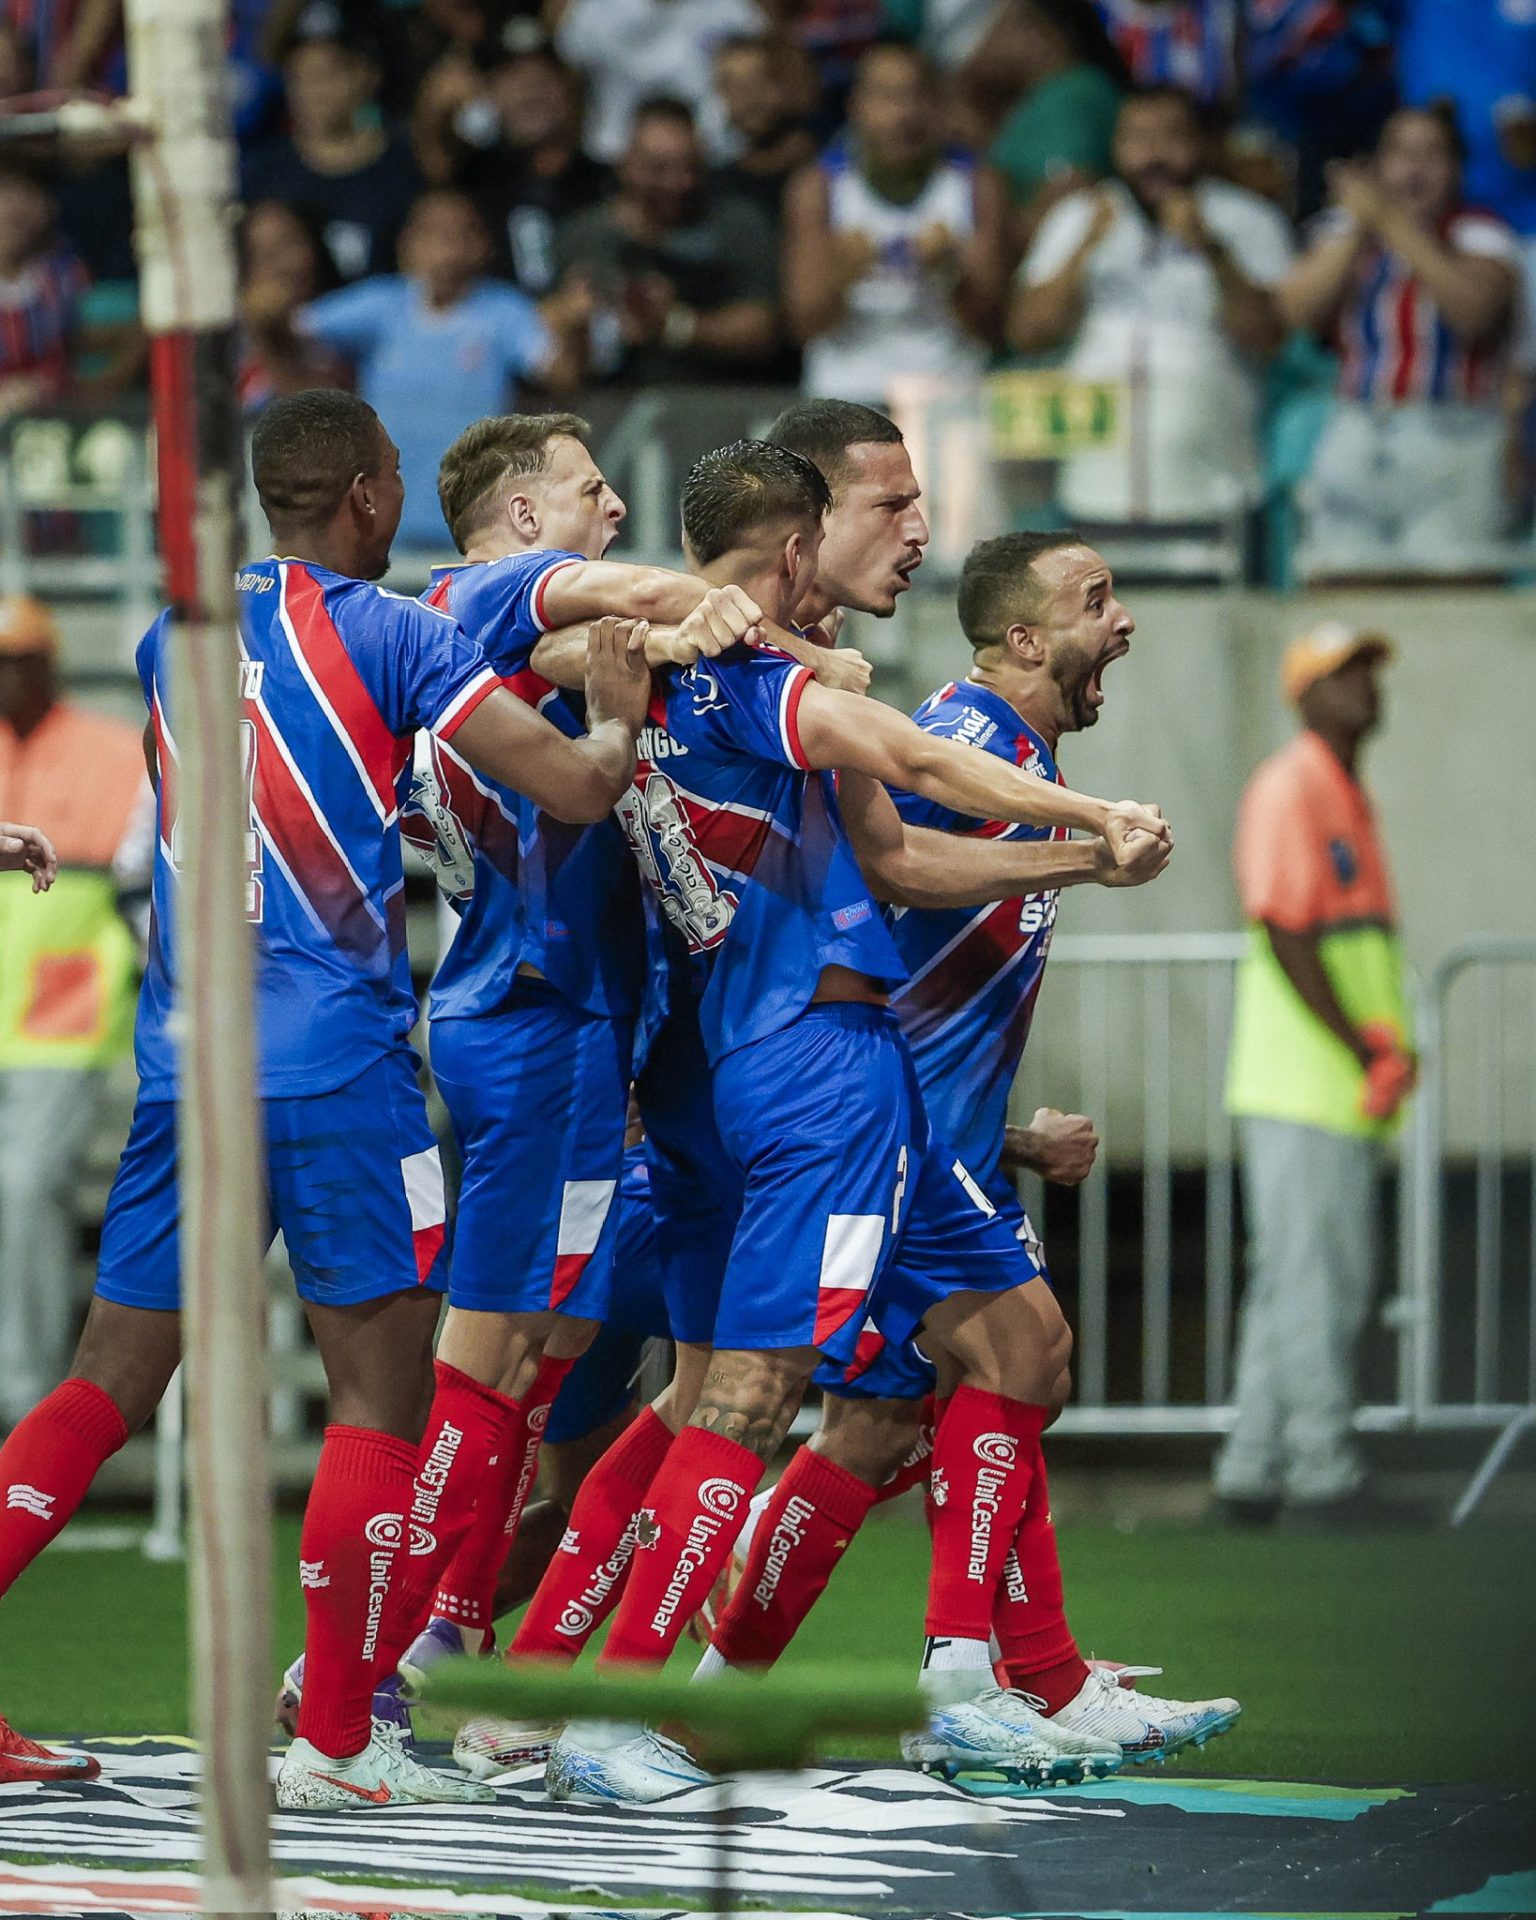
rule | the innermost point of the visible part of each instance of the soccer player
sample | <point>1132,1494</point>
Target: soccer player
<point>1040,614</point>
<point>532,1012</point>
<point>850,1210</point>
<point>336,676</point>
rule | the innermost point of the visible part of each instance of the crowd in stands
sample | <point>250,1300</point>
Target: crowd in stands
<point>1223,206</point>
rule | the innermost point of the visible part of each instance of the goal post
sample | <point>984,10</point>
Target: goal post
<point>183,180</point>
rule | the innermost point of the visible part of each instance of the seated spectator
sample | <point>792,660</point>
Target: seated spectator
<point>1065,81</point>
<point>437,346</point>
<point>1161,280</point>
<point>683,276</point>
<point>1420,295</point>
<point>283,267</point>
<point>635,50</point>
<point>766,87</point>
<point>336,163</point>
<point>896,252</point>
<point>512,141</point>
<point>41,286</point>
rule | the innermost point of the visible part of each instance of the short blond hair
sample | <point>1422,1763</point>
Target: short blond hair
<point>473,477</point>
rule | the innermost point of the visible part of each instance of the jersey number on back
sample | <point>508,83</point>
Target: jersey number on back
<point>254,896</point>
<point>656,824</point>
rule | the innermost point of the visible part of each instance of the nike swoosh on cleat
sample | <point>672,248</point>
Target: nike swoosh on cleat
<point>53,1763</point>
<point>380,1796</point>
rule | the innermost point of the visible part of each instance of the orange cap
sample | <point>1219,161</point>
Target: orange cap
<point>1313,656</point>
<point>26,626</point>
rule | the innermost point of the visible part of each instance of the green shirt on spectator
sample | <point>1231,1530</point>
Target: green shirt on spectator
<point>1065,124</point>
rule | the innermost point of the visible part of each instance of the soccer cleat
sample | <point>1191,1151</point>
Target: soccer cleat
<point>1145,1726</point>
<point>438,1640</point>
<point>382,1775</point>
<point>487,1747</point>
<point>23,1759</point>
<point>599,1762</point>
<point>389,1703</point>
<point>996,1744</point>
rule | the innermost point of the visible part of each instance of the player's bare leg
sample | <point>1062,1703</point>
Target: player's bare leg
<point>122,1365</point>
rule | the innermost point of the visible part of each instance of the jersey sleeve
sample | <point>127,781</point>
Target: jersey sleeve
<point>747,702</point>
<point>426,670</point>
<point>527,345</point>
<point>1061,233</point>
<point>947,719</point>
<point>1279,857</point>
<point>352,318</point>
<point>510,615</point>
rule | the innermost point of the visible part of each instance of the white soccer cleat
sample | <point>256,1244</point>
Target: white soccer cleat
<point>599,1762</point>
<point>1145,1726</point>
<point>382,1775</point>
<point>996,1743</point>
<point>487,1747</point>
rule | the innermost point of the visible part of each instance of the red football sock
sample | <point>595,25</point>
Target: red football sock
<point>47,1466</point>
<point>466,1429</point>
<point>983,1456</point>
<point>1037,1652</point>
<point>354,1525</point>
<point>815,1511</point>
<point>466,1594</point>
<point>697,1504</point>
<point>583,1582</point>
<point>917,1468</point>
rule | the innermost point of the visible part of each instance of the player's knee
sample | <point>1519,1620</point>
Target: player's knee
<point>1060,1394</point>
<point>130,1353</point>
<point>868,1438</point>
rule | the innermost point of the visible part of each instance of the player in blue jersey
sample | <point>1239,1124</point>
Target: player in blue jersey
<point>1044,624</point>
<point>336,676</point>
<point>850,1211</point>
<point>533,1007</point>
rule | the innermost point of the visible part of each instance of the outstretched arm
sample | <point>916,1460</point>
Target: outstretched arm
<point>575,780</point>
<point>839,730</point>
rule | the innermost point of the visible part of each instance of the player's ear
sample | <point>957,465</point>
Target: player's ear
<point>789,559</point>
<point>524,516</point>
<point>1025,644</point>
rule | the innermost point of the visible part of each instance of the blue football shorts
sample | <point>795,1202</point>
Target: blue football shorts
<point>354,1183</point>
<point>537,1095</point>
<point>852,1215</point>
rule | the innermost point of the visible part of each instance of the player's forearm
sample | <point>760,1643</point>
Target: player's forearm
<point>981,786</point>
<point>938,870</point>
<point>561,656</point>
<point>599,587</point>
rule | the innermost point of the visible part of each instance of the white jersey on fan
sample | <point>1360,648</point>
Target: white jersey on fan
<point>897,319</point>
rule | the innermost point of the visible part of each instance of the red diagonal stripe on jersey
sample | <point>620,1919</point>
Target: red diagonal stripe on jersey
<point>288,820</point>
<point>169,782</point>
<point>725,838</point>
<point>484,825</point>
<point>963,971</point>
<point>530,687</point>
<point>340,683</point>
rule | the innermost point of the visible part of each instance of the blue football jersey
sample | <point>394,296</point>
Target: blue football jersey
<point>336,676</point>
<point>564,899</point>
<point>975,972</point>
<point>744,846</point>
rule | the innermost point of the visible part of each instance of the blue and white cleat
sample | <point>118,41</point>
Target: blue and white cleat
<point>996,1744</point>
<point>600,1762</point>
<point>389,1703</point>
<point>1145,1726</point>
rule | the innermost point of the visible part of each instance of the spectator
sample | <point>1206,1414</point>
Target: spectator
<point>336,163</point>
<point>896,253</point>
<point>515,148</point>
<point>283,267</point>
<point>437,345</point>
<point>1161,280</point>
<point>636,50</point>
<point>767,89</point>
<point>1188,44</point>
<point>1319,1066</point>
<point>948,31</point>
<point>41,284</point>
<point>683,276</point>
<point>1067,81</point>
<point>1420,295</point>
<point>67,978</point>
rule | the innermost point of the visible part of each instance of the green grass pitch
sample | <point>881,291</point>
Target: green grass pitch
<point>1389,1659</point>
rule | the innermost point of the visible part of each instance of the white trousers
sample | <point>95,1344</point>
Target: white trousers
<point>1311,1204</point>
<point>46,1116</point>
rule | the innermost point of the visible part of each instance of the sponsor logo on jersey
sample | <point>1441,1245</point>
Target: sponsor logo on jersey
<point>845,917</point>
